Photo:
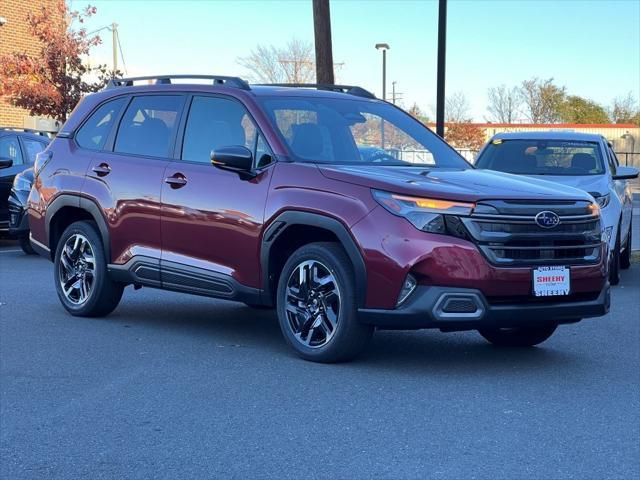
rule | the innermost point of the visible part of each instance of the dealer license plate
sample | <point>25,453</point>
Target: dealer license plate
<point>551,281</point>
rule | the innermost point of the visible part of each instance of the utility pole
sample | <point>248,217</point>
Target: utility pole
<point>324,51</point>
<point>442,49</point>
<point>114,37</point>
<point>395,95</point>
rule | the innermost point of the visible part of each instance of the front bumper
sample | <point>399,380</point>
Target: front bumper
<point>429,307</point>
<point>18,218</point>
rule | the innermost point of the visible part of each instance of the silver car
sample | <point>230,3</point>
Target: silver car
<point>579,160</point>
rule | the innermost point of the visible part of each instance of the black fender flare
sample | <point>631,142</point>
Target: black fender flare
<point>83,203</point>
<point>294,217</point>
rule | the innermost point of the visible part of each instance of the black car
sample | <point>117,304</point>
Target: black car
<point>18,218</point>
<point>18,150</point>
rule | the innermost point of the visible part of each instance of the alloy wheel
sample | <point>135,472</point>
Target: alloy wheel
<point>77,273</point>
<point>312,303</point>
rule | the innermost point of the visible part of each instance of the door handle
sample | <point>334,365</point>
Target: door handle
<point>177,180</point>
<point>102,169</point>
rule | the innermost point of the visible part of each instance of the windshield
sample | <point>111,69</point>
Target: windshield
<point>355,131</point>
<point>542,157</point>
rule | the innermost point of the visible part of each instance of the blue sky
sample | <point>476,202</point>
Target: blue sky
<point>592,47</point>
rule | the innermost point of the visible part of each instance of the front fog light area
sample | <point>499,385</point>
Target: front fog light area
<point>606,234</point>
<point>408,287</point>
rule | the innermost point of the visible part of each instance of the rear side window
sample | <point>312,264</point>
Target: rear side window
<point>32,148</point>
<point>93,134</point>
<point>148,125</point>
<point>214,123</point>
<point>10,148</point>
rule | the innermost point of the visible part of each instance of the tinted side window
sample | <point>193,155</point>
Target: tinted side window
<point>10,148</point>
<point>93,134</point>
<point>32,148</point>
<point>148,125</point>
<point>213,123</point>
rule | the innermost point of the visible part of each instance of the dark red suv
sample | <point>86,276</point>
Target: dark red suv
<point>340,210</point>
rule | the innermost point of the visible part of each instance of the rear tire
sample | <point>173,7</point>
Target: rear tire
<point>316,303</point>
<point>80,274</point>
<point>518,337</point>
<point>625,258</point>
<point>25,245</point>
<point>614,266</point>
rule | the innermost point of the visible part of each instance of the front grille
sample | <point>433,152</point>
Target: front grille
<point>508,235</point>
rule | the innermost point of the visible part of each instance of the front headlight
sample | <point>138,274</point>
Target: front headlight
<point>603,200</point>
<point>426,214</point>
<point>21,184</point>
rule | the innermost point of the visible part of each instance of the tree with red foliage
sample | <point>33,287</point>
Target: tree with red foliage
<point>464,135</point>
<point>52,82</point>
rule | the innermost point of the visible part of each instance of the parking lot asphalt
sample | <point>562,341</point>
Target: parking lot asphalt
<point>176,386</point>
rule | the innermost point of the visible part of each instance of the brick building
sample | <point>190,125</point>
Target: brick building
<point>15,37</point>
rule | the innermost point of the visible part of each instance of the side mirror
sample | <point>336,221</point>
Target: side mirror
<point>626,173</point>
<point>6,162</point>
<point>236,158</point>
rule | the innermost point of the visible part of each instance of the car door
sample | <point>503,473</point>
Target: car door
<point>212,218</point>
<point>125,177</point>
<point>9,150</point>
<point>623,192</point>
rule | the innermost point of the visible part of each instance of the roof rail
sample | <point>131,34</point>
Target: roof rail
<point>236,82</point>
<point>26,130</point>
<point>349,89</point>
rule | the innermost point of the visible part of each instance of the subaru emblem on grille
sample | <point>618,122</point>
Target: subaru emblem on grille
<point>547,219</point>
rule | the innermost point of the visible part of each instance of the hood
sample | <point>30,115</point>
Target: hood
<point>451,184</point>
<point>588,183</point>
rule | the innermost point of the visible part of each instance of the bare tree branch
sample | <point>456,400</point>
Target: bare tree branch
<point>292,63</point>
<point>542,99</point>
<point>504,103</point>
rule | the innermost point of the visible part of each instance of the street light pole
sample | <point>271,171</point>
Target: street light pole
<point>384,47</point>
<point>114,38</point>
<point>442,48</point>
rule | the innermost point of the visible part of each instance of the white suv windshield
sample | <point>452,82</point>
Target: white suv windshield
<point>542,157</point>
<point>355,131</point>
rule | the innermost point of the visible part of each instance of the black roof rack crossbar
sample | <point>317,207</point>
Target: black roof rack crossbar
<point>350,89</point>
<point>236,82</point>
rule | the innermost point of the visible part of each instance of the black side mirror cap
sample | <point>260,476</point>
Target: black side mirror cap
<point>236,158</point>
<point>626,173</point>
<point>6,162</point>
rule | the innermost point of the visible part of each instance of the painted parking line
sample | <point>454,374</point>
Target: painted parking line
<point>10,251</point>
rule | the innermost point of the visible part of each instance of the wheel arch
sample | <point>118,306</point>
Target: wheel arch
<point>65,210</point>
<point>293,229</point>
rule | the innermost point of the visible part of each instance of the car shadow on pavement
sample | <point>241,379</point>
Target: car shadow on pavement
<point>421,351</point>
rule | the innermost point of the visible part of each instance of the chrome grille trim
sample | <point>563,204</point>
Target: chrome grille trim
<point>508,238</point>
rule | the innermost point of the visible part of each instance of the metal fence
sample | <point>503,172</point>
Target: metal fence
<point>630,159</point>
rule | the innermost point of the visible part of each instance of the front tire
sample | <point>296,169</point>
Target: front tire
<point>82,283</point>
<point>625,258</point>
<point>25,245</point>
<point>614,267</point>
<point>518,337</point>
<point>316,304</point>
